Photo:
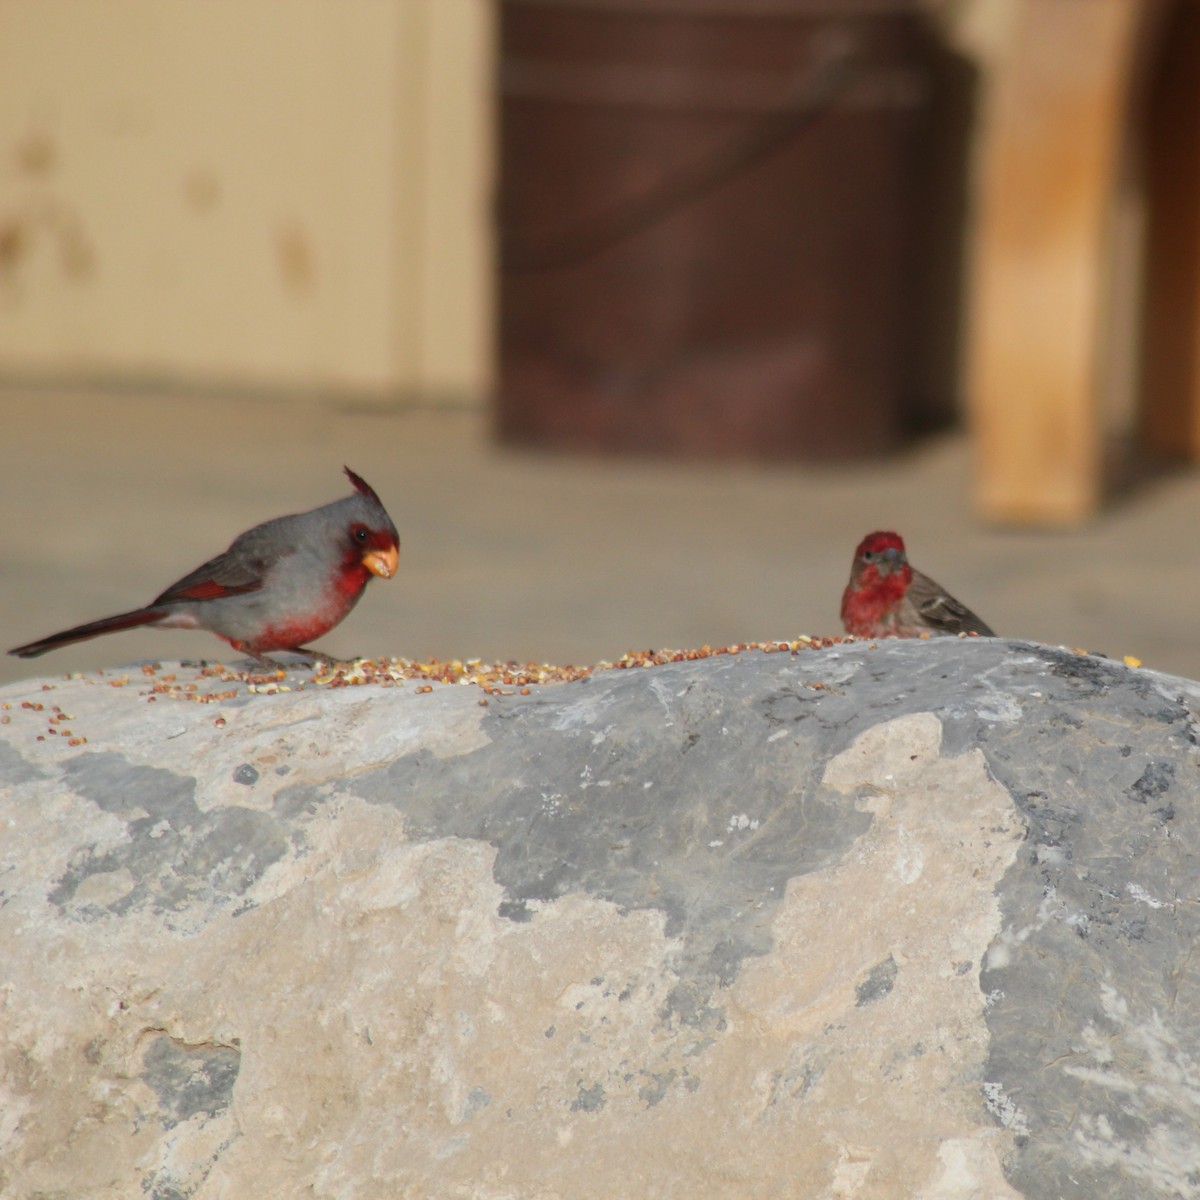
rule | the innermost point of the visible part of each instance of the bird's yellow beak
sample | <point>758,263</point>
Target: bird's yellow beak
<point>382,562</point>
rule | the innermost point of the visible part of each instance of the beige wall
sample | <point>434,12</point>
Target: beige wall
<point>263,193</point>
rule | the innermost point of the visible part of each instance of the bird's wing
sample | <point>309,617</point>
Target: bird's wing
<point>228,574</point>
<point>939,610</point>
<point>240,569</point>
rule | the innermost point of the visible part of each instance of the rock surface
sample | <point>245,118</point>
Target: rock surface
<point>914,921</point>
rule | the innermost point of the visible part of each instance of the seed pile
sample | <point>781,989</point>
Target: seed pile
<point>209,683</point>
<point>492,678</point>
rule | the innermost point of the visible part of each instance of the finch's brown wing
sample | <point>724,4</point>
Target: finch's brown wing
<point>940,611</point>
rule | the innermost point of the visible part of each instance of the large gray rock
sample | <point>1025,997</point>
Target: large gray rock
<point>909,921</point>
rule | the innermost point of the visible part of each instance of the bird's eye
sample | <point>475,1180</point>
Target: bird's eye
<point>870,555</point>
<point>360,533</point>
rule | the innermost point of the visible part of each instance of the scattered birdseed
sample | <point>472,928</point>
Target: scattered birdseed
<point>493,679</point>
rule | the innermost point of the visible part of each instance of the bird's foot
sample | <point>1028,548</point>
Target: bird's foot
<point>318,658</point>
<point>261,669</point>
<point>257,676</point>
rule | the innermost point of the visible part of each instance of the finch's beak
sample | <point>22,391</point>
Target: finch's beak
<point>382,562</point>
<point>892,558</point>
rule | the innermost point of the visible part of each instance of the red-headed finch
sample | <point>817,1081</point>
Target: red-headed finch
<point>888,598</point>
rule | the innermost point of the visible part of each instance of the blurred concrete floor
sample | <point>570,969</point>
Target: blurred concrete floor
<point>109,497</point>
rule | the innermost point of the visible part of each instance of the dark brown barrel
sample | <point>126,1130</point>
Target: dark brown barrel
<point>707,217</point>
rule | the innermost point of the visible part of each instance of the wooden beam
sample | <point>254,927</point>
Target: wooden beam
<point>1050,151</point>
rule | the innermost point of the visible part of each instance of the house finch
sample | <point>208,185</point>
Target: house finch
<point>887,598</point>
<point>278,585</point>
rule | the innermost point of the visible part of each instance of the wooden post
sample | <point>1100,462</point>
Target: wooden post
<point>1050,152</point>
<point>1170,382</point>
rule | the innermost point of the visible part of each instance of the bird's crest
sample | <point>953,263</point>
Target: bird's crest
<point>362,486</point>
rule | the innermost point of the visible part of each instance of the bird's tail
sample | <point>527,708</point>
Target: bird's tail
<point>129,620</point>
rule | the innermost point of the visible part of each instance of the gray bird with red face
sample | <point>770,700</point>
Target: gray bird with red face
<point>281,584</point>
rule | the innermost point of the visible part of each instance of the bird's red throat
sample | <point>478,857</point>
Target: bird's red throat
<point>873,601</point>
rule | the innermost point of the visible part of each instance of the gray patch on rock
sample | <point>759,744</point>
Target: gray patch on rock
<point>590,1099</point>
<point>795,1083</point>
<point>190,1079</point>
<point>477,1099</point>
<point>161,1189</point>
<point>299,800</point>
<point>175,853</point>
<point>246,774</point>
<point>653,1092</point>
<point>15,768</point>
<point>879,981</point>
<point>115,785</point>
<point>1152,782</point>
